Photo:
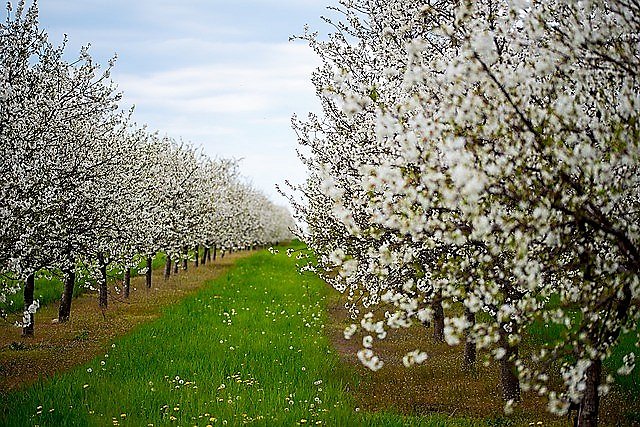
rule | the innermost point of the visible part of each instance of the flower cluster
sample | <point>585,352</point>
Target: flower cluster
<point>475,168</point>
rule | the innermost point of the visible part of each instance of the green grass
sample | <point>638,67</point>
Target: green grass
<point>250,347</point>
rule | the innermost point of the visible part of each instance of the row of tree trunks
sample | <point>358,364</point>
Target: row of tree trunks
<point>69,278</point>
<point>508,374</point>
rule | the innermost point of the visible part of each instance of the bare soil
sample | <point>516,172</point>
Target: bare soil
<point>440,385</point>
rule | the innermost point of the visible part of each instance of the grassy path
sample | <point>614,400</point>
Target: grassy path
<point>249,348</point>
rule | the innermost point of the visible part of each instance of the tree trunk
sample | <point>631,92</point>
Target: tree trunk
<point>127,282</point>
<point>29,289</point>
<point>196,250</point>
<point>102,286</point>
<point>149,271</point>
<point>469,360</point>
<point>167,268</point>
<point>589,406</point>
<point>438,317</point>
<point>222,254</point>
<point>64,311</point>
<point>510,382</point>
<point>176,266</point>
<point>203,260</point>
<point>185,258</point>
<point>215,249</point>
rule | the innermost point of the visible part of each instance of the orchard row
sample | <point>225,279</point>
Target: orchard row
<point>476,168</point>
<point>83,185</point>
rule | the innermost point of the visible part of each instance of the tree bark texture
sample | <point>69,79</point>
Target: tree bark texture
<point>185,258</point>
<point>64,311</point>
<point>590,404</point>
<point>438,317</point>
<point>196,260</point>
<point>127,282</point>
<point>29,289</point>
<point>102,285</point>
<point>215,249</point>
<point>167,268</point>
<point>508,377</point>
<point>203,260</point>
<point>149,271</point>
<point>469,360</point>
<point>176,266</point>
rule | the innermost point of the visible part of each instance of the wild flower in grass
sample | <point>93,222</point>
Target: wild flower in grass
<point>89,370</point>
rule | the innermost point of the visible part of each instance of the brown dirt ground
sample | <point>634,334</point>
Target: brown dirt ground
<point>89,332</point>
<point>440,385</point>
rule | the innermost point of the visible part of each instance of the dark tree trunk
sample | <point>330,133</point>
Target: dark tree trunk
<point>149,271</point>
<point>29,289</point>
<point>176,266</point>
<point>590,404</point>
<point>127,282</point>
<point>469,360</point>
<point>102,286</point>
<point>438,317</point>
<point>203,260</point>
<point>196,250</point>
<point>215,250</point>
<point>222,254</point>
<point>508,377</point>
<point>64,311</point>
<point>167,268</point>
<point>209,253</point>
<point>185,258</point>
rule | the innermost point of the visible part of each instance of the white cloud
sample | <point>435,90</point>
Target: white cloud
<point>215,72</point>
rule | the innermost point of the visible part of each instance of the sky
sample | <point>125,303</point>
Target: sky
<point>219,73</point>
